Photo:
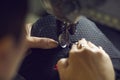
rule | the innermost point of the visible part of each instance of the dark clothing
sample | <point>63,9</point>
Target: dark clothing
<point>41,62</point>
<point>19,77</point>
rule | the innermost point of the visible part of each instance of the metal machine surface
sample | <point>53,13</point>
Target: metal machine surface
<point>103,11</point>
<point>68,12</point>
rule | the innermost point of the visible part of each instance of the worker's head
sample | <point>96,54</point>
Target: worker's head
<point>12,18</point>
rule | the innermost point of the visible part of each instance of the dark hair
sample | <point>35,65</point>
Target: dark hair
<point>12,16</point>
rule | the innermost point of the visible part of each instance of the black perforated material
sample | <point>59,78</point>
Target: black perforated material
<point>42,61</point>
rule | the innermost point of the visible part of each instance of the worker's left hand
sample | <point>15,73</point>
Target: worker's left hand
<point>39,42</point>
<point>86,62</point>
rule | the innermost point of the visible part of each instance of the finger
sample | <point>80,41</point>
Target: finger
<point>79,46</point>
<point>44,43</point>
<point>62,64</point>
<point>74,47</point>
<point>100,48</point>
<point>74,54</point>
<point>92,46</point>
<point>102,51</point>
<point>82,43</point>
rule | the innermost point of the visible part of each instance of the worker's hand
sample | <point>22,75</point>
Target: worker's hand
<point>39,42</point>
<point>11,54</point>
<point>86,62</point>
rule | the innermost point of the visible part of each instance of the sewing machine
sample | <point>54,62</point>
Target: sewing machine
<point>68,12</point>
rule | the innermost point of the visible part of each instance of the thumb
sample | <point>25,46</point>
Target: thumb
<point>39,42</point>
<point>62,64</point>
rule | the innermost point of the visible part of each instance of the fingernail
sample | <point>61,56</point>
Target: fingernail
<point>100,47</point>
<point>76,43</point>
<point>83,39</point>
<point>53,43</point>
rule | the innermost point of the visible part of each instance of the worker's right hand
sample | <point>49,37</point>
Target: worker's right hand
<point>86,62</point>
